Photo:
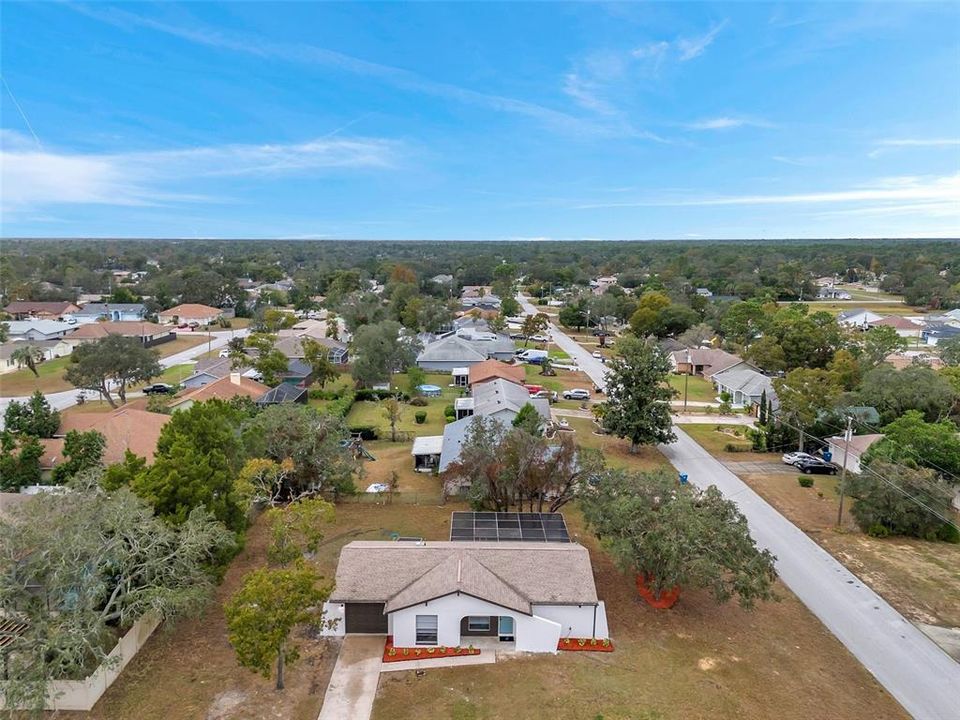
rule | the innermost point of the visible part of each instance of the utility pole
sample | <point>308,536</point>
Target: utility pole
<point>843,473</point>
<point>686,379</point>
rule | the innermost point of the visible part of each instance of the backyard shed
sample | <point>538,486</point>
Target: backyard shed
<point>426,453</point>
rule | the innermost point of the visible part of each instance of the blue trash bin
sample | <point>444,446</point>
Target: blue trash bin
<point>683,478</point>
<point>827,455</point>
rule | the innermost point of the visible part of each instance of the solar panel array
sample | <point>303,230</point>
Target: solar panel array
<point>508,527</point>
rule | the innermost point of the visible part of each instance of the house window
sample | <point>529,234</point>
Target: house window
<point>478,624</point>
<point>426,629</point>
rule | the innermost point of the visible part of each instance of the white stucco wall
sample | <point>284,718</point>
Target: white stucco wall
<point>576,621</point>
<point>533,633</point>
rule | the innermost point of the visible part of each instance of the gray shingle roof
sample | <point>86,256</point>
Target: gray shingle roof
<point>746,380</point>
<point>513,575</point>
<point>451,349</point>
<point>495,395</point>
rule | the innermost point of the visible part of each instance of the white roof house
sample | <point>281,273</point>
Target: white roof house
<point>39,329</point>
<point>522,595</point>
<point>858,317</point>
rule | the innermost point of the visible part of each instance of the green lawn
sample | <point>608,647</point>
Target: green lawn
<point>714,441</point>
<point>698,389</point>
<point>24,382</point>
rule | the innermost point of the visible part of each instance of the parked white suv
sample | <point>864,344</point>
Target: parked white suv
<point>576,394</point>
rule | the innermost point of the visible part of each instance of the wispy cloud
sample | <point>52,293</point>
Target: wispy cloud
<point>33,177</point>
<point>309,54</point>
<point>728,123</point>
<point>796,161</point>
<point>585,93</point>
<point>890,144</point>
<point>917,190</point>
<point>691,48</point>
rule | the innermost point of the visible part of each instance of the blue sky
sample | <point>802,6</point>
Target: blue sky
<point>481,121</point>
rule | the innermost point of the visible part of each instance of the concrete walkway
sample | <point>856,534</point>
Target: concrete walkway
<point>484,658</point>
<point>353,685</point>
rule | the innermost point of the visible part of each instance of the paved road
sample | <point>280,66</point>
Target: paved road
<point>921,676</point>
<point>63,400</point>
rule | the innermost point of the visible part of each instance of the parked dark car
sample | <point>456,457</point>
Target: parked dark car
<point>815,466</point>
<point>159,389</point>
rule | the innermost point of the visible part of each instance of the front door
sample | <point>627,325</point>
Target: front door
<point>506,629</point>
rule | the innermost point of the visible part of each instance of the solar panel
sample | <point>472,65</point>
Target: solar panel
<point>508,527</point>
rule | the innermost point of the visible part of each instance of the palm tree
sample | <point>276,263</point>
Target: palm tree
<point>27,356</point>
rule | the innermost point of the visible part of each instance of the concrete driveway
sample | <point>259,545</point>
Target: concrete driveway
<point>353,685</point>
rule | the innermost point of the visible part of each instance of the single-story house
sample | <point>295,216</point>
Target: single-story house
<point>148,333</point>
<point>858,318</point>
<point>832,293</point>
<point>190,313</point>
<point>39,329</point>
<point>704,292</point>
<point>283,393</point>
<point>488,301</point>
<point>937,333</point>
<point>125,429</point>
<point>903,327</point>
<point>702,361</point>
<point>49,349</point>
<point>111,311</point>
<point>525,596</point>
<point>745,385</point>
<point>226,388</point>
<point>858,446</point>
<point>53,310</point>
<point>490,369</point>
<point>207,370</point>
<point>292,347</point>
<point>450,352</point>
<point>426,452</point>
<point>442,279</point>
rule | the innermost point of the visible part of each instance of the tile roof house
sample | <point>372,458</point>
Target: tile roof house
<point>746,385</point>
<point>226,388</point>
<point>190,312</point>
<point>431,594</point>
<point>148,333</point>
<point>451,352</point>
<point>111,311</point>
<point>125,429</point>
<point>903,327</point>
<point>23,309</point>
<point>489,369</point>
<point>702,361</point>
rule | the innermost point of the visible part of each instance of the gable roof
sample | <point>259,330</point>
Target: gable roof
<point>125,429</point>
<point>713,359</point>
<point>896,322</point>
<point>451,349</point>
<point>95,309</point>
<point>125,328</point>
<point>489,369</point>
<point>512,575</point>
<point>190,310</point>
<point>498,394</point>
<point>746,379</point>
<point>45,327</point>
<point>858,443</point>
<point>227,387</point>
<point>55,307</point>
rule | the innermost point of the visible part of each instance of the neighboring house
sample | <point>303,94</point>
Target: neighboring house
<point>704,292</point>
<point>39,329</point>
<point>111,311</point>
<point>147,333</point>
<point>292,347</point>
<point>226,388</point>
<point>903,327</point>
<point>209,370</point>
<point>283,393</point>
<point>745,385</point>
<point>599,285</point>
<point>486,302</point>
<point>524,596</point>
<point>858,446</point>
<point>450,352</point>
<point>900,360</point>
<point>832,293</point>
<point>23,309</point>
<point>442,279</point>
<point>49,349</point>
<point>937,333</point>
<point>298,373</point>
<point>702,361</point>
<point>490,369</point>
<point>426,452</point>
<point>125,429</point>
<point>952,317</point>
<point>858,318</point>
<point>190,313</point>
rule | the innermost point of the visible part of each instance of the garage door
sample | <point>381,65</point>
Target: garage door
<point>365,618</point>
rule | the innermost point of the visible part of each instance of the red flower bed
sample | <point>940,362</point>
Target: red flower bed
<point>666,600</point>
<point>399,654</point>
<point>585,645</point>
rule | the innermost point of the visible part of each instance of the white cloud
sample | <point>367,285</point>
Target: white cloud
<point>691,48</point>
<point>727,123</point>
<point>917,190</point>
<point>651,50</point>
<point>584,92</point>
<point>33,177</point>
<point>891,144</point>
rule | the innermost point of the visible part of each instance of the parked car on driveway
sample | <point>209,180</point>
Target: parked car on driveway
<point>539,338</point>
<point>817,466</point>
<point>792,458</point>
<point>159,389</point>
<point>576,394</point>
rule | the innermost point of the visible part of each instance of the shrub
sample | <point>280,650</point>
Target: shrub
<point>366,432</point>
<point>449,412</point>
<point>736,447</point>
<point>322,394</point>
<point>878,531</point>
<point>725,408</point>
<point>805,481</point>
<point>371,395</point>
<point>341,406</point>
<point>420,417</point>
<point>419,402</point>
<point>948,533</point>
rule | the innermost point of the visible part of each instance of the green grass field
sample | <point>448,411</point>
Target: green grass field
<point>698,389</point>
